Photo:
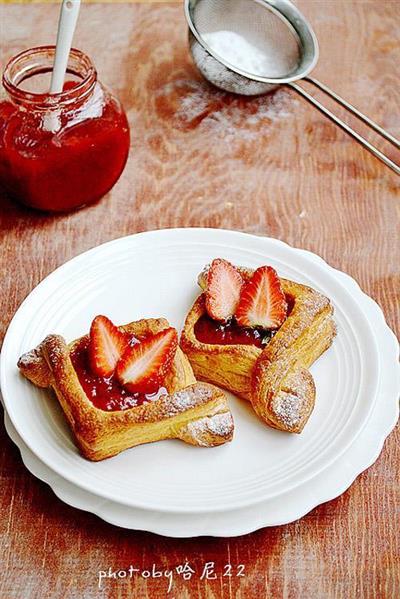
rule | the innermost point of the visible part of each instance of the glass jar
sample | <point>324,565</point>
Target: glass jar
<point>59,151</point>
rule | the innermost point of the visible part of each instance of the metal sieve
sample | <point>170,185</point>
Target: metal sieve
<point>251,46</point>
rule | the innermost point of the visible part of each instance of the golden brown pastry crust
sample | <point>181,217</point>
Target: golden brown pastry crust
<point>197,413</point>
<point>275,379</point>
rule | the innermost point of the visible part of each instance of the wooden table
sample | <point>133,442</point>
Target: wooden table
<point>271,166</point>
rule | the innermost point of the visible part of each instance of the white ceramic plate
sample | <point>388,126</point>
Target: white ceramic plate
<point>154,274</point>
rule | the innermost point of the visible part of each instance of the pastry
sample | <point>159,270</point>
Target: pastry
<point>256,335</point>
<point>123,386</point>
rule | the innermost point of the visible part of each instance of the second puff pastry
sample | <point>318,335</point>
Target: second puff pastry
<point>275,379</point>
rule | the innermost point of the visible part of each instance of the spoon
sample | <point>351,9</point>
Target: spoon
<point>66,28</point>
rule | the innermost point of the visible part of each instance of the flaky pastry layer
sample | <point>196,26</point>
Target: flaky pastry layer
<point>197,413</point>
<point>276,379</point>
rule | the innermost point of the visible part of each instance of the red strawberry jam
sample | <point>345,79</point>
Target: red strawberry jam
<point>59,151</point>
<point>210,331</point>
<point>106,393</point>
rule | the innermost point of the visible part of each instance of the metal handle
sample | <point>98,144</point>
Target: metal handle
<point>353,110</point>
<point>361,140</point>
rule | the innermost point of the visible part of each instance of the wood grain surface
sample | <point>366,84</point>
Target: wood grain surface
<point>271,166</point>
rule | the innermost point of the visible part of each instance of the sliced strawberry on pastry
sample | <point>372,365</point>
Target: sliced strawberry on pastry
<point>224,283</point>
<point>262,302</point>
<point>106,346</point>
<point>144,366</point>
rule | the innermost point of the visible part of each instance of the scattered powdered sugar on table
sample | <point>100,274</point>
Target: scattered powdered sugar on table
<point>197,104</point>
<point>219,425</point>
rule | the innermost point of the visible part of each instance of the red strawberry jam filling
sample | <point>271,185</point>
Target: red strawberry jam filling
<point>106,393</point>
<point>210,331</point>
<point>241,310</point>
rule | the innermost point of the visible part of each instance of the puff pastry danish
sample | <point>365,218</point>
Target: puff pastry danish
<point>271,372</point>
<point>197,413</point>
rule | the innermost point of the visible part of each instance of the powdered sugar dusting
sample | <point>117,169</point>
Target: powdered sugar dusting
<point>29,358</point>
<point>287,408</point>
<point>219,425</point>
<point>188,398</point>
<point>222,77</point>
<point>242,53</point>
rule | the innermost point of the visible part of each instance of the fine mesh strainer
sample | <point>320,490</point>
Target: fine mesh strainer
<point>251,46</point>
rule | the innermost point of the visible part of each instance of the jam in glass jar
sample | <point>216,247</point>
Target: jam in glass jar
<point>59,151</point>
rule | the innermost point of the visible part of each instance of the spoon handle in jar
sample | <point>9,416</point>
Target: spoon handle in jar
<point>66,27</point>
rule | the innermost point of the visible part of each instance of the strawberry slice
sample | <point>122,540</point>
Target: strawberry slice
<point>262,302</point>
<point>144,366</point>
<point>106,346</point>
<point>224,283</point>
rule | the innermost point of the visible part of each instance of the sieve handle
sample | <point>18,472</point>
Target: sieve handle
<point>361,140</point>
<point>353,110</point>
